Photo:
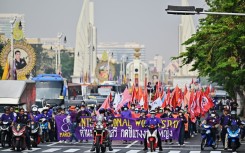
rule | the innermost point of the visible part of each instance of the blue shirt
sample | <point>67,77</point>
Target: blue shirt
<point>126,114</point>
<point>153,121</point>
<point>7,118</point>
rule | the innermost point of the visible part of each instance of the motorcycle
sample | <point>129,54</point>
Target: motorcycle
<point>5,133</point>
<point>34,134</point>
<point>100,135</point>
<point>207,140</point>
<point>19,138</point>
<point>232,137</point>
<point>152,139</point>
<point>243,130</point>
<point>44,126</point>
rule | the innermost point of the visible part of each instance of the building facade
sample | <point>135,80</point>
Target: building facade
<point>86,44</point>
<point>5,25</point>
<point>121,50</point>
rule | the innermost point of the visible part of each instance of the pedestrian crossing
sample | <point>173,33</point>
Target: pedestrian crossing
<point>124,150</point>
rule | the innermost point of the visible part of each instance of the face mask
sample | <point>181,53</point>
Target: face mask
<point>212,115</point>
<point>125,109</point>
<point>82,109</point>
<point>180,114</point>
<point>132,108</point>
<point>152,115</point>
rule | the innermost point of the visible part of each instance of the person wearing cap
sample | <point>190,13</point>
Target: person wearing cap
<point>183,120</point>
<point>153,120</point>
<point>223,123</point>
<point>44,113</point>
<point>167,114</point>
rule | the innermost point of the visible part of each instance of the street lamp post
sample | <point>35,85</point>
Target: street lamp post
<point>191,10</point>
<point>12,22</point>
<point>59,65</point>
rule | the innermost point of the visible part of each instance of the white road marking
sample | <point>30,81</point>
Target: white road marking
<point>128,146</point>
<point>71,150</point>
<point>133,151</point>
<point>195,152</point>
<point>6,150</point>
<point>52,150</point>
<point>215,151</point>
<point>114,150</point>
<point>33,149</point>
<point>53,144</point>
<point>173,151</point>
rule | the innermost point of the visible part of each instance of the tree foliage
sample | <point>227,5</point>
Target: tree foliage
<point>67,62</point>
<point>218,47</point>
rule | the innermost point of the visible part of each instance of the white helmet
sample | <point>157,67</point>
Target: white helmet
<point>45,108</point>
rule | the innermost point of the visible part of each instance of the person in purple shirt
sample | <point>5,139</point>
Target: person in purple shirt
<point>7,117</point>
<point>24,118</point>
<point>213,120</point>
<point>45,113</point>
<point>73,124</point>
<point>153,120</point>
<point>50,111</point>
<point>224,119</point>
<point>34,114</point>
<point>126,113</point>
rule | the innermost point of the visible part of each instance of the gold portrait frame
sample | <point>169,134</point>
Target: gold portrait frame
<point>25,47</point>
<point>97,74</point>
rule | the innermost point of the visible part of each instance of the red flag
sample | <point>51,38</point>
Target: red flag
<point>185,91</point>
<point>140,94</point>
<point>206,103</point>
<point>106,103</point>
<point>145,97</point>
<point>207,91</point>
<point>175,97</point>
<point>192,104</point>
<point>167,99</point>
<point>126,97</point>
<point>198,101</point>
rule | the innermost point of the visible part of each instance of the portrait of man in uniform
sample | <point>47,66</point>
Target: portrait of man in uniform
<point>20,63</point>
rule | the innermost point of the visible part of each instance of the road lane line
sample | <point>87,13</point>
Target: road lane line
<point>195,152</point>
<point>215,151</point>
<point>71,150</point>
<point>52,144</point>
<point>173,151</point>
<point>133,151</point>
<point>128,146</point>
<point>52,150</point>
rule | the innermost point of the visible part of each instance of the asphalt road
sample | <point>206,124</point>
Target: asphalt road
<point>192,146</point>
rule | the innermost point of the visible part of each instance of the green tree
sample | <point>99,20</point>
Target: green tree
<point>67,62</point>
<point>218,47</point>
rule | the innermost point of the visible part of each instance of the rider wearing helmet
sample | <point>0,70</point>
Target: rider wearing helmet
<point>234,119</point>
<point>153,121</point>
<point>102,112</point>
<point>24,118</point>
<point>224,119</point>
<point>35,115</point>
<point>7,117</point>
<point>213,121</point>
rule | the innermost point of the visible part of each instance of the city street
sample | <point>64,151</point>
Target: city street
<point>192,146</point>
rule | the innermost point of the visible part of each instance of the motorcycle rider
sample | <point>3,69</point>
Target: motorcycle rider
<point>24,118</point>
<point>213,121</point>
<point>109,121</point>
<point>233,120</point>
<point>7,117</point>
<point>223,122</point>
<point>153,121</point>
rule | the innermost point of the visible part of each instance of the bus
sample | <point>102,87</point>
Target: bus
<point>50,89</point>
